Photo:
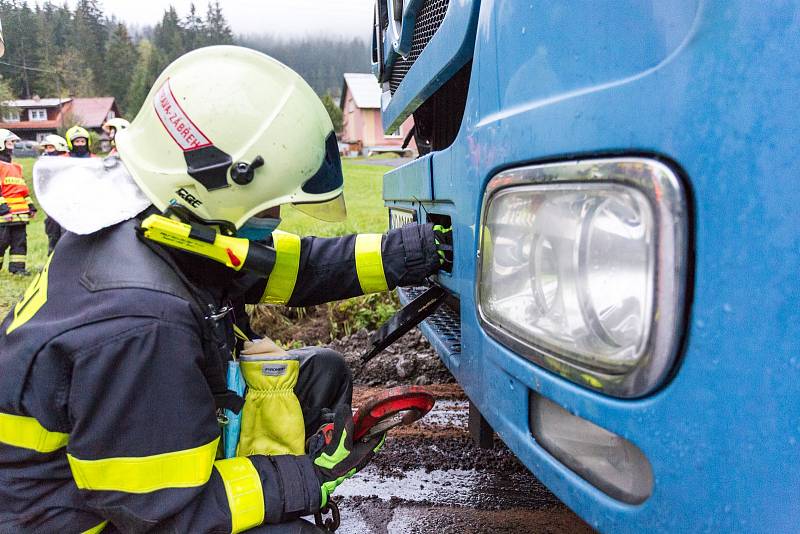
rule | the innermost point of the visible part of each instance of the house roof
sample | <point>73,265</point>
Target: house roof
<point>91,112</point>
<point>36,102</point>
<point>365,89</point>
<point>88,112</point>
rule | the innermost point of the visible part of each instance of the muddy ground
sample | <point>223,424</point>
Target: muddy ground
<point>430,477</point>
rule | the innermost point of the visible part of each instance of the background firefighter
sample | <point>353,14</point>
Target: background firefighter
<point>53,146</point>
<point>16,207</point>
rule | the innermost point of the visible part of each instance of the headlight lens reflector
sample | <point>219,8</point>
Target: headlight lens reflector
<point>582,269</point>
<point>570,266</point>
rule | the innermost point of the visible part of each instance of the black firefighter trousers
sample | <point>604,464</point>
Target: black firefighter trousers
<point>15,237</point>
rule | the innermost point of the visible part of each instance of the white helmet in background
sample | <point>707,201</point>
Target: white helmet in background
<point>116,124</point>
<point>57,141</point>
<point>7,135</point>
<point>228,132</point>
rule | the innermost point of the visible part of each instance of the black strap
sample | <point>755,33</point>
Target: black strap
<point>294,494</point>
<point>230,400</point>
<point>413,246</point>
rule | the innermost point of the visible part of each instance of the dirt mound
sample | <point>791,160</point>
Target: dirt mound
<point>410,360</point>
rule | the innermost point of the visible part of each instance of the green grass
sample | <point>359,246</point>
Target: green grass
<point>364,206</point>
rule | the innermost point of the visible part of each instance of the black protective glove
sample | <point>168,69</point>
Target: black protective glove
<point>4,209</point>
<point>444,245</point>
<point>336,458</point>
<point>32,210</point>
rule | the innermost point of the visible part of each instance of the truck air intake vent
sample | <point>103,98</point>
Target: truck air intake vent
<point>429,18</point>
<point>445,323</point>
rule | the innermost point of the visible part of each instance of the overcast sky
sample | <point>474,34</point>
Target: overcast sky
<point>286,18</point>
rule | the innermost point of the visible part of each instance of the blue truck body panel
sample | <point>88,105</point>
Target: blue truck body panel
<point>449,49</point>
<point>711,87</point>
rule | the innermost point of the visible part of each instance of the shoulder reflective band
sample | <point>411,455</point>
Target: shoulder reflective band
<point>27,433</point>
<point>143,474</point>
<point>95,530</point>
<point>369,263</point>
<point>245,495</point>
<point>280,284</point>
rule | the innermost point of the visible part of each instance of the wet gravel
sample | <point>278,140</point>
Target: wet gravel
<point>430,477</point>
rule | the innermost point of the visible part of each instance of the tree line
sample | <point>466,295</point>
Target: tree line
<point>54,50</point>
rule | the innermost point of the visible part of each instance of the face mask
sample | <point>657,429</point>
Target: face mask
<point>258,229</point>
<point>80,150</point>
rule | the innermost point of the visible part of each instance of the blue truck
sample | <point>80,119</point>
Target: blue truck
<point>623,183</point>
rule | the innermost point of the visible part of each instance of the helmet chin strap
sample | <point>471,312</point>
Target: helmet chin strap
<point>188,216</point>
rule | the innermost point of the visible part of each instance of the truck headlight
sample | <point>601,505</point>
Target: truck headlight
<point>582,269</point>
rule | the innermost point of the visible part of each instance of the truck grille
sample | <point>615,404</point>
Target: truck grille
<point>429,18</point>
<point>445,323</point>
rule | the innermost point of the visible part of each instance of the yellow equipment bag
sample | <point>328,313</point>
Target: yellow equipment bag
<point>272,421</point>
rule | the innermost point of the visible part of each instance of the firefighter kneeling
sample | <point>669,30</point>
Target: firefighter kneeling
<point>113,366</point>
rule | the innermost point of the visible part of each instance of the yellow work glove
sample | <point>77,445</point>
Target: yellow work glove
<point>272,421</point>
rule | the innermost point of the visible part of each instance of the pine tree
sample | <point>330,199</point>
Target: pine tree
<point>194,29</point>
<point>120,59</point>
<point>168,35</point>
<point>217,30</point>
<point>148,66</point>
<point>90,35</point>
<point>21,38</point>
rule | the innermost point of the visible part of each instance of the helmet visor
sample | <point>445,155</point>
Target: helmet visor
<point>333,210</point>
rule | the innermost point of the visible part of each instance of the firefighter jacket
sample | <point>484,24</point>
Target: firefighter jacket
<point>111,378</point>
<point>14,194</point>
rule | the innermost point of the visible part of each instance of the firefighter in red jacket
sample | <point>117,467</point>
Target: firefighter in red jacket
<point>16,207</point>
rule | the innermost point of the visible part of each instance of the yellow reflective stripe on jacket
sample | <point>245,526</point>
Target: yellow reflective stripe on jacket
<point>16,258</point>
<point>13,180</point>
<point>28,433</point>
<point>143,474</point>
<point>245,495</point>
<point>97,529</point>
<point>280,284</point>
<point>369,263</point>
<point>34,298</point>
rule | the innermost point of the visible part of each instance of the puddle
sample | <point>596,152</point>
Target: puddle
<point>447,413</point>
<point>455,487</point>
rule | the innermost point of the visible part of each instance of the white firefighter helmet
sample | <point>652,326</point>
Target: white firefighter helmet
<point>7,135</point>
<point>228,132</point>
<point>57,141</point>
<point>117,123</point>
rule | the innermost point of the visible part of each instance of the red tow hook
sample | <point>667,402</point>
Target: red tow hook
<point>398,406</point>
